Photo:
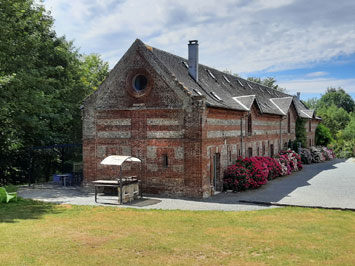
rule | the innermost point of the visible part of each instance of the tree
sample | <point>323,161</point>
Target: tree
<point>349,131</point>
<point>93,71</point>
<point>334,118</point>
<point>339,98</point>
<point>323,135</point>
<point>269,82</point>
<point>43,81</point>
<point>311,103</point>
<point>301,134</point>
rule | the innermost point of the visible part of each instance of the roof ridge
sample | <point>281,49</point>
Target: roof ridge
<point>219,71</point>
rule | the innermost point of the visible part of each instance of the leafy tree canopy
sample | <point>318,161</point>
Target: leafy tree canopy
<point>311,103</point>
<point>323,135</point>
<point>349,131</point>
<point>334,118</point>
<point>339,98</point>
<point>43,81</point>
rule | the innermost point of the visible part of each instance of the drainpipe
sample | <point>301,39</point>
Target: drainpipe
<point>241,133</point>
<point>280,147</point>
<point>282,118</point>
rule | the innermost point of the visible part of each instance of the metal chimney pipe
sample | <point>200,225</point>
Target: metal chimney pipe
<point>193,59</point>
<point>298,95</point>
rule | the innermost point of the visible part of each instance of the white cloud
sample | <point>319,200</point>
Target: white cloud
<point>317,74</point>
<point>243,36</point>
<point>317,85</point>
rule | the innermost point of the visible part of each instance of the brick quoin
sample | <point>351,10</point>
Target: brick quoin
<point>166,119</point>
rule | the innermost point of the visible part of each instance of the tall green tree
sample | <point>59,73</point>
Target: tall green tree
<point>93,71</point>
<point>43,81</point>
<point>334,118</point>
<point>339,98</point>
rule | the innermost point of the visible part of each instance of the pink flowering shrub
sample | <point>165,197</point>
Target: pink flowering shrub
<point>327,153</point>
<point>282,159</point>
<point>254,172</point>
<point>293,159</point>
<point>251,172</point>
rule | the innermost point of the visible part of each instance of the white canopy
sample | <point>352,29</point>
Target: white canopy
<point>119,159</point>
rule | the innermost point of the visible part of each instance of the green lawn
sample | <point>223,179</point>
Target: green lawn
<point>34,233</point>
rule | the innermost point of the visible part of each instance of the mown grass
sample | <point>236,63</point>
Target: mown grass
<point>34,233</point>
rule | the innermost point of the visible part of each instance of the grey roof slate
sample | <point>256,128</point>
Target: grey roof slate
<point>221,89</point>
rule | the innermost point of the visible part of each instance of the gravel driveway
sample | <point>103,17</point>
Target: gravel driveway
<point>330,184</point>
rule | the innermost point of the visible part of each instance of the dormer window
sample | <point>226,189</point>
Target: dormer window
<point>241,84</point>
<point>198,92</point>
<point>216,96</point>
<point>211,74</point>
<point>226,79</point>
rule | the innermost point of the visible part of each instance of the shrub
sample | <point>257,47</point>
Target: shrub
<point>301,134</point>
<point>251,172</point>
<point>323,135</point>
<point>317,155</point>
<point>294,160</point>
<point>306,156</point>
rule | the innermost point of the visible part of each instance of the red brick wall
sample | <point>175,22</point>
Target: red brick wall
<point>222,134</point>
<point>167,121</point>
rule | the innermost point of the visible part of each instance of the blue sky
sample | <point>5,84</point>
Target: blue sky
<point>306,45</point>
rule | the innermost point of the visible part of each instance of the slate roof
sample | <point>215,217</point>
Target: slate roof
<point>227,91</point>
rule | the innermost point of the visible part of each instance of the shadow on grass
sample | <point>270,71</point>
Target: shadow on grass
<point>25,209</point>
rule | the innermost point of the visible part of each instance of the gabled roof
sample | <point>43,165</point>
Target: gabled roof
<point>224,90</point>
<point>245,101</point>
<point>283,104</point>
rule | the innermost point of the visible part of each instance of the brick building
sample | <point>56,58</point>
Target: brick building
<point>186,121</point>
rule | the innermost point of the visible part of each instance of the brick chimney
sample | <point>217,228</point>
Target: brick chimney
<point>193,59</point>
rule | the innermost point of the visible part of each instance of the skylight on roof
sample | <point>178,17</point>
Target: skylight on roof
<point>216,96</point>
<point>185,64</point>
<point>198,92</point>
<point>241,84</point>
<point>211,74</point>
<point>268,91</point>
<point>226,79</point>
<point>250,86</point>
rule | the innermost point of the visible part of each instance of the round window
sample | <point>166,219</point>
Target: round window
<point>140,82</point>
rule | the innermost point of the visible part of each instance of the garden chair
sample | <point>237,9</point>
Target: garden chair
<point>5,196</point>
